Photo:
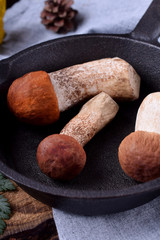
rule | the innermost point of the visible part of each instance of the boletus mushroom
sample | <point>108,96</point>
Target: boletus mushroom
<point>61,156</point>
<point>139,152</point>
<point>38,97</point>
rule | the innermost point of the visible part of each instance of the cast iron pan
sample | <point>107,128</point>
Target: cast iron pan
<point>102,187</point>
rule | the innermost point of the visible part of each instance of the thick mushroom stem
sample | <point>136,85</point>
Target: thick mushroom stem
<point>93,116</point>
<point>139,152</point>
<point>113,76</point>
<point>148,116</point>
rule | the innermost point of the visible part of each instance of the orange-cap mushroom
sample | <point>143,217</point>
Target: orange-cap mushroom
<point>30,97</point>
<point>139,152</point>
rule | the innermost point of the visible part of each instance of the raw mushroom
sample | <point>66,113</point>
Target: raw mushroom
<point>61,156</point>
<point>33,99</point>
<point>139,152</point>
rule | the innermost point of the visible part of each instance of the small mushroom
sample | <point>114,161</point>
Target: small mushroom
<point>38,97</point>
<point>61,156</point>
<point>139,152</point>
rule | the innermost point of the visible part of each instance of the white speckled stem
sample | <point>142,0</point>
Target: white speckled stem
<point>93,116</point>
<point>114,76</point>
<point>148,116</point>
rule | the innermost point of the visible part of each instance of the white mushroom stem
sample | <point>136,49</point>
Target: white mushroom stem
<point>93,116</point>
<point>113,76</point>
<point>148,116</point>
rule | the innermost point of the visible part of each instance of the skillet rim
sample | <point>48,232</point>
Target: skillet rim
<point>61,39</point>
<point>149,186</point>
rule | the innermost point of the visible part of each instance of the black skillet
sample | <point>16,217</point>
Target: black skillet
<point>102,187</point>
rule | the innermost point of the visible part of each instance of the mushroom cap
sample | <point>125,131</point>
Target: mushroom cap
<point>60,157</point>
<point>139,155</point>
<point>32,99</point>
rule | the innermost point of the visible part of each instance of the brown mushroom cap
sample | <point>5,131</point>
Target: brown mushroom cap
<point>139,155</point>
<point>33,100</point>
<point>60,157</point>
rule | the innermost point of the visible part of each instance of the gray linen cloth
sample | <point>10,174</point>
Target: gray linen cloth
<point>23,29</point>
<point>23,25</point>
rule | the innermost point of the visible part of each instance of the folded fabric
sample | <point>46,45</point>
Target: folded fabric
<point>141,223</point>
<point>23,26</point>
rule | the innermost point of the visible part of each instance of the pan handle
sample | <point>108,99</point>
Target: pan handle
<point>148,29</point>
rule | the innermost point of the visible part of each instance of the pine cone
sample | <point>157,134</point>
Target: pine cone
<point>58,15</point>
